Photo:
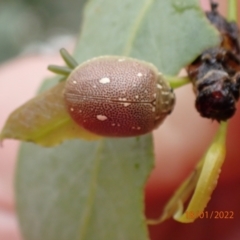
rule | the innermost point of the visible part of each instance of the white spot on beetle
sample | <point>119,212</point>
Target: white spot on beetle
<point>139,74</point>
<point>138,128</point>
<point>121,59</point>
<point>154,95</point>
<point>71,109</point>
<point>74,82</point>
<point>122,99</point>
<point>80,110</point>
<point>101,117</point>
<point>165,93</point>
<point>104,80</point>
<point>134,85</point>
<point>133,127</point>
<point>159,86</point>
<point>126,104</point>
<point>118,125</point>
<point>136,96</point>
<point>153,109</point>
<point>113,124</point>
<point>94,86</point>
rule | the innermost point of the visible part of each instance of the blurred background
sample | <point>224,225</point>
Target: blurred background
<point>33,26</point>
<point>37,26</point>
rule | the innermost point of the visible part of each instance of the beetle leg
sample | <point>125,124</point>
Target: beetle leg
<point>69,60</point>
<point>60,70</point>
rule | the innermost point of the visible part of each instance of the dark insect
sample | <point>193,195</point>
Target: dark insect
<point>215,74</point>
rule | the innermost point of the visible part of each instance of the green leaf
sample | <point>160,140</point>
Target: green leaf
<point>44,120</point>
<point>94,190</point>
<point>84,191</point>
<point>197,188</point>
<point>161,32</point>
<point>208,170</point>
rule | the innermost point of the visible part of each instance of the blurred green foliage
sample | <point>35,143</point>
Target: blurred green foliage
<point>23,22</point>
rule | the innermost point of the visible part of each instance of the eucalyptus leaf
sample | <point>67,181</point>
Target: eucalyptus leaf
<point>209,167</point>
<point>94,190</point>
<point>161,32</point>
<point>44,120</point>
<point>199,185</point>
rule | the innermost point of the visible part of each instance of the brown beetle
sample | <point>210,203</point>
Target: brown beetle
<point>115,96</point>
